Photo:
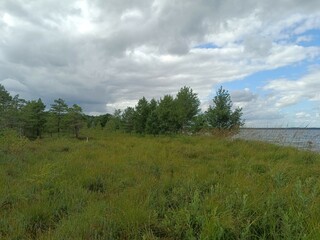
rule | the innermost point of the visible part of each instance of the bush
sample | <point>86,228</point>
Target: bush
<point>11,142</point>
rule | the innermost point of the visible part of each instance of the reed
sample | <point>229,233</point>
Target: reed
<point>118,186</point>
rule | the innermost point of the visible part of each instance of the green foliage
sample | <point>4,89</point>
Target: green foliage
<point>10,110</point>
<point>59,110</point>
<point>128,119</point>
<point>75,119</point>
<point>5,102</point>
<point>33,118</point>
<point>11,142</point>
<point>5,99</point>
<point>103,119</point>
<point>167,115</point>
<point>116,187</point>
<point>141,114</point>
<point>99,121</point>
<point>115,123</point>
<point>153,122</point>
<point>187,107</point>
<point>199,123</point>
<point>50,124</point>
<point>220,115</point>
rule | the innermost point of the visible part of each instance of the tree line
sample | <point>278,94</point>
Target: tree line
<point>178,114</point>
<point>31,119</point>
<point>169,114</point>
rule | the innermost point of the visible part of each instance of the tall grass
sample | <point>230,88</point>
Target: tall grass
<point>118,186</point>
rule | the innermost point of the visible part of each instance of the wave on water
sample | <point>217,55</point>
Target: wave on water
<point>303,138</point>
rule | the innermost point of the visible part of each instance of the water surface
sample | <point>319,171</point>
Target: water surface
<point>303,138</point>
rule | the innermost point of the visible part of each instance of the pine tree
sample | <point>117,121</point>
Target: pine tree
<point>128,119</point>
<point>33,117</point>
<point>59,110</point>
<point>75,119</point>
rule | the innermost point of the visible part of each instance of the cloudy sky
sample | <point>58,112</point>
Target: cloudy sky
<point>106,54</point>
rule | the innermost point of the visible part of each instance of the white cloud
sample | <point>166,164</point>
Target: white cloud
<point>131,15</point>
<point>108,54</point>
<point>8,19</point>
<point>308,24</point>
<point>258,111</point>
<point>293,91</point>
<point>288,54</point>
<point>303,115</point>
<point>300,95</point>
<point>304,38</point>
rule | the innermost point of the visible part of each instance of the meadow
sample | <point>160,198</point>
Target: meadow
<point>121,186</point>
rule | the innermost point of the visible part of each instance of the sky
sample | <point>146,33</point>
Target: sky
<point>107,54</point>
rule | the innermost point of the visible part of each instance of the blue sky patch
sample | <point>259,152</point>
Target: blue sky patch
<point>314,41</point>
<point>257,80</point>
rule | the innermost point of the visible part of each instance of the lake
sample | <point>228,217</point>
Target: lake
<point>303,138</point>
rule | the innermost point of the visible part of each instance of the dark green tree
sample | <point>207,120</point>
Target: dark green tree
<point>5,98</point>
<point>141,115</point>
<point>10,110</point>
<point>128,117</point>
<point>167,115</point>
<point>5,104</point>
<point>153,105</point>
<point>153,123</point>
<point>75,119</point>
<point>59,110</point>
<point>51,123</point>
<point>199,122</point>
<point>14,113</point>
<point>221,115</point>
<point>187,107</point>
<point>103,119</point>
<point>115,123</point>
<point>33,117</point>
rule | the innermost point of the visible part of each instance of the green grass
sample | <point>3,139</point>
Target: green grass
<point>131,187</point>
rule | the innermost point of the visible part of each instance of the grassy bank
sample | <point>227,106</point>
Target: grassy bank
<point>128,187</point>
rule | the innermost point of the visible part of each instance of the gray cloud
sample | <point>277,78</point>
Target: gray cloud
<point>243,96</point>
<point>111,53</point>
<point>258,46</point>
<point>259,111</point>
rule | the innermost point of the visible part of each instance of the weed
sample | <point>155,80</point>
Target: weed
<point>120,186</point>
<point>95,185</point>
<point>259,168</point>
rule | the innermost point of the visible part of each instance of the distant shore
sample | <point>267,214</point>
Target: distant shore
<point>282,128</point>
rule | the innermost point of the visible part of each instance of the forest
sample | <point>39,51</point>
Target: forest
<point>168,115</point>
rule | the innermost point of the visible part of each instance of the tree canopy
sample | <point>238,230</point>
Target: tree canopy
<point>187,104</point>
<point>170,114</point>
<point>220,115</point>
<point>59,110</point>
<point>33,116</point>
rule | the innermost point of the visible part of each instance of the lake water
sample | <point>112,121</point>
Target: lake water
<point>303,138</point>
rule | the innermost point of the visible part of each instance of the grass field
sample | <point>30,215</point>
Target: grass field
<point>119,186</point>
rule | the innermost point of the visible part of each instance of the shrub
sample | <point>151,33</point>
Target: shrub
<point>11,142</point>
